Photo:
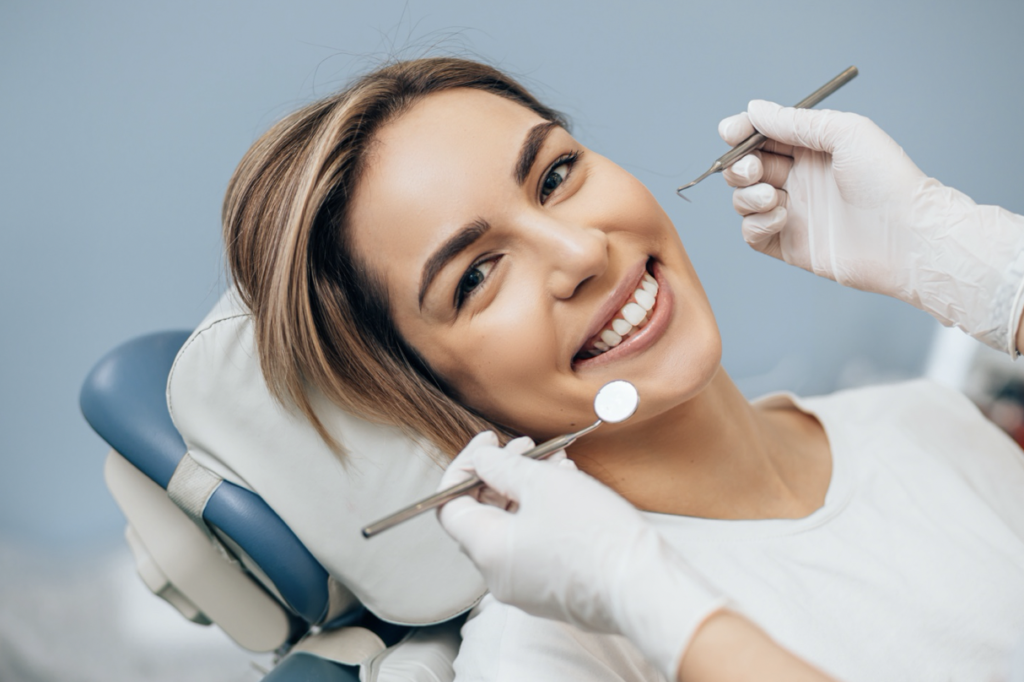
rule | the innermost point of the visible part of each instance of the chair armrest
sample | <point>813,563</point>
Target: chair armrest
<point>186,558</point>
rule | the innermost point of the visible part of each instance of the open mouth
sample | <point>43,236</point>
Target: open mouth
<point>628,320</point>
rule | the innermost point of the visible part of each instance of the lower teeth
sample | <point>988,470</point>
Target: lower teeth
<point>596,350</point>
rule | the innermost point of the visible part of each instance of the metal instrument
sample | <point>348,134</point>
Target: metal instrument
<point>756,140</point>
<point>615,402</point>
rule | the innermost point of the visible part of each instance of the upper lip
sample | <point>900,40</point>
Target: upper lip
<point>614,302</point>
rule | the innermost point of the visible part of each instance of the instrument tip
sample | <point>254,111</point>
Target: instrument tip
<point>683,196</point>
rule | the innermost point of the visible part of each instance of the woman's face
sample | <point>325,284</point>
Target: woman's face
<point>512,256</point>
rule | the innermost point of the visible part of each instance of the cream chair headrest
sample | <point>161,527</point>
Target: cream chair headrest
<point>412,574</point>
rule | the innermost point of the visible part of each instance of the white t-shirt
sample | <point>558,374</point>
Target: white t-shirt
<point>913,569</point>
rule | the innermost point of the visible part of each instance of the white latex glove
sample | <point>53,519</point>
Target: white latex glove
<point>575,551</point>
<point>833,194</point>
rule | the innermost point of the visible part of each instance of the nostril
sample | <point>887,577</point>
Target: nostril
<point>581,284</point>
<point>576,254</point>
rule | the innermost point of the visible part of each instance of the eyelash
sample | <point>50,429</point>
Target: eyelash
<point>569,160</point>
<point>460,295</point>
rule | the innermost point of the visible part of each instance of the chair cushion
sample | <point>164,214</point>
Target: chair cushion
<point>412,574</point>
<point>124,399</point>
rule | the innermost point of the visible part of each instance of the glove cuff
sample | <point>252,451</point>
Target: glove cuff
<point>663,601</point>
<point>1010,303</point>
<point>974,278</point>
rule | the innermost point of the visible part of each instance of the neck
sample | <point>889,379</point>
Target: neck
<point>714,456</point>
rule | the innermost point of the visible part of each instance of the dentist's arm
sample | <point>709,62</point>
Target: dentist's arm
<point>558,544</point>
<point>833,194</point>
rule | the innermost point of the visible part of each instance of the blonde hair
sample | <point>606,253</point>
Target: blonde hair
<point>321,318</point>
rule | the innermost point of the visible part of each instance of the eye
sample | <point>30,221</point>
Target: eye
<point>472,279</point>
<point>557,175</point>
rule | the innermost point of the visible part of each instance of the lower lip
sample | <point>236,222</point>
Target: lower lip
<point>639,341</point>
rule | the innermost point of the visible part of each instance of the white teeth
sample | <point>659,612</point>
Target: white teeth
<point>611,338</point>
<point>633,313</point>
<point>644,298</point>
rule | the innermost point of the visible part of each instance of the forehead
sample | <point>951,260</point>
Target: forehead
<point>444,130</point>
<point>446,161</point>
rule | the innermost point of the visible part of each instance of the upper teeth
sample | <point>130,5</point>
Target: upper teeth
<point>632,316</point>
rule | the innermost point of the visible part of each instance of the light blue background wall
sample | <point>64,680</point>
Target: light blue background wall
<point>120,123</point>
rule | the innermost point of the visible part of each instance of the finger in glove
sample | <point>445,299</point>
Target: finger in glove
<point>736,128</point>
<point>776,168</point>
<point>461,468</point>
<point>761,231</point>
<point>818,129</point>
<point>488,494</point>
<point>759,198</point>
<point>745,172</point>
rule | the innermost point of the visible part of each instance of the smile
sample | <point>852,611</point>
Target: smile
<point>629,319</point>
<point>639,316</point>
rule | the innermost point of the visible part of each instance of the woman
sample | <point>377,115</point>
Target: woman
<point>433,248</point>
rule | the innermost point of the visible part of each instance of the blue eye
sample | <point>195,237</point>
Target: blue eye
<point>558,174</point>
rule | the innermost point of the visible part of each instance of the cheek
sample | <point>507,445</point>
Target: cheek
<point>497,360</point>
<point>624,200</point>
<point>694,351</point>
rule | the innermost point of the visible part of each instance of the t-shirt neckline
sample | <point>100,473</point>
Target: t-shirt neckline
<point>837,496</point>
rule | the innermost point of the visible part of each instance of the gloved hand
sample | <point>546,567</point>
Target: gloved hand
<point>833,194</point>
<point>573,550</point>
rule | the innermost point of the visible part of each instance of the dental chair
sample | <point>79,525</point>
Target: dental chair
<point>241,516</point>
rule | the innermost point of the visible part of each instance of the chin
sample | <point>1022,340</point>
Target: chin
<point>685,368</point>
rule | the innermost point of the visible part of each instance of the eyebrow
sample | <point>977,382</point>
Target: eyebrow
<point>456,244</point>
<point>531,146</point>
<point>465,237</point>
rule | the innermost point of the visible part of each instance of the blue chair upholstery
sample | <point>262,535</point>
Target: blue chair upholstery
<point>124,400</point>
<point>308,668</point>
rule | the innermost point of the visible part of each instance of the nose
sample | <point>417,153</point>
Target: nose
<point>574,253</point>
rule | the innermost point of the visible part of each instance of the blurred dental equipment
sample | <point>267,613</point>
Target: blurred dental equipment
<point>615,402</point>
<point>757,140</point>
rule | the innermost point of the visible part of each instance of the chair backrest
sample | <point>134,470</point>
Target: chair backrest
<point>124,400</point>
<point>413,574</point>
<point>260,581</point>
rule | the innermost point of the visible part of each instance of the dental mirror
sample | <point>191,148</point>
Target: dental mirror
<point>615,402</point>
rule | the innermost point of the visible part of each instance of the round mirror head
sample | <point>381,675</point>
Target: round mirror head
<point>616,401</point>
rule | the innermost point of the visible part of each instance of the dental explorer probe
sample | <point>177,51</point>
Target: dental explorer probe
<point>615,402</point>
<point>756,140</point>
